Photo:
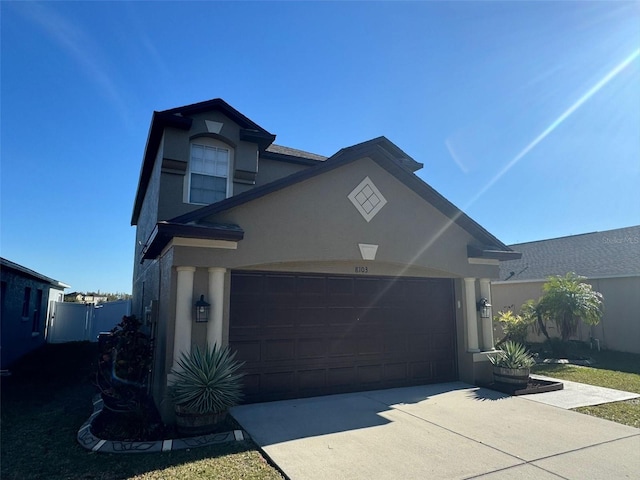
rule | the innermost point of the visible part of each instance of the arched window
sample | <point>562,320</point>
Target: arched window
<point>209,166</point>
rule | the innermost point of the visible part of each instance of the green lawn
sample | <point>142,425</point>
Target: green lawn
<point>617,370</point>
<point>48,398</point>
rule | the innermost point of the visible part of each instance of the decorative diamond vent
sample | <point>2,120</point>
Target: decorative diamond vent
<point>367,199</point>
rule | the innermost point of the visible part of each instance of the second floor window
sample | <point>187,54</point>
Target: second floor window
<point>208,174</point>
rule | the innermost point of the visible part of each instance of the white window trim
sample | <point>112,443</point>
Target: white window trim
<point>208,142</point>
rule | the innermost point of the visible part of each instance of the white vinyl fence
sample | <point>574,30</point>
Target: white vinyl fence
<point>74,322</point>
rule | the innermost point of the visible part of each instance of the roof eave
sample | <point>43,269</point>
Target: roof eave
<point>8,264</point>
<point>282,157</point>
<point>492,254</point>
<point>164,232</point>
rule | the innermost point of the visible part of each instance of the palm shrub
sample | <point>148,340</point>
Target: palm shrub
<point>207,380</point>
<point>567,300</point>
<point>512,355</point>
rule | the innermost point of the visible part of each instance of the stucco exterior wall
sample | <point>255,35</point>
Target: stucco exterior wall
<point>620,326</point>
<point>314,221</point>
<point>176,149</point>
<point>270,170</point>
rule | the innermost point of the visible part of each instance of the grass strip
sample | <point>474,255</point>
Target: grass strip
<point>620,371</point>
<point>48,398</point>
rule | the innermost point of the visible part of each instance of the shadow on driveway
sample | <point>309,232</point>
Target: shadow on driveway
<point>286,420</point>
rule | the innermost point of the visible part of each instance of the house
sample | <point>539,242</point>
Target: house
<point>26,305</point>
<point>609,260</point>
<point>325,275</point>
<point>92,298</point>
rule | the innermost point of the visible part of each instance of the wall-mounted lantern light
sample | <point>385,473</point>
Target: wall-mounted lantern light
<point>202,310</point>
<point>484,307</point>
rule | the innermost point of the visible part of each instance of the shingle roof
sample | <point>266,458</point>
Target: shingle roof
<point>294,152</point>
<point>610,253</point>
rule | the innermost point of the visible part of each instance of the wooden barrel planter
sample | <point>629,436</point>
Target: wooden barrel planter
<point>192,424</point>
<point>516,377</point>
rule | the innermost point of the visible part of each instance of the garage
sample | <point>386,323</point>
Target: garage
<point>304,335</point>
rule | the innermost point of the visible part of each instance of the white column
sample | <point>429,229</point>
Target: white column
<point>216,298</point>
<point>472,318</point>
<point>487,323</point>
<point>184,312</point>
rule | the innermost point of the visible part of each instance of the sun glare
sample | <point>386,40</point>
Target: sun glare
<point>615,71</point>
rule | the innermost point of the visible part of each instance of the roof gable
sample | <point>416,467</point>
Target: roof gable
<point>179,118</point>
<point>383,152</point>
<point>216,104</point>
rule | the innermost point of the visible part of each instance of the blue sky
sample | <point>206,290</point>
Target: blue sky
<point>526,115</point>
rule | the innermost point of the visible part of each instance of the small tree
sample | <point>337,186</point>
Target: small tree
<point>566,301</point>
<point>530,310</point>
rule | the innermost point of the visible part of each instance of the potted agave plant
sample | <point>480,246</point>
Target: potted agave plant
<point>512,364</point>
<point>206,384</point>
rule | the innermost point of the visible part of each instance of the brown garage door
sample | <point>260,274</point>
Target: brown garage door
<point>311,334</point>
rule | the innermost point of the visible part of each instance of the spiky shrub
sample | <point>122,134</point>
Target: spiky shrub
<point>512,355</point>
<point>207,380</point>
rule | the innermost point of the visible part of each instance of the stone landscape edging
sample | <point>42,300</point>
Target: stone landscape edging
<point>90,442</point>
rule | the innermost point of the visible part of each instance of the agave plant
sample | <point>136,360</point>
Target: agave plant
<point>512,355</point>
<point>207,380</point>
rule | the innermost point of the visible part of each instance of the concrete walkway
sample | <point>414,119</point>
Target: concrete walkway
<point>575,395</point>
<point>444,431</point>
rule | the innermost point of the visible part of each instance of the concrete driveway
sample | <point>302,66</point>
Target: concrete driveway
<point>443,431</point>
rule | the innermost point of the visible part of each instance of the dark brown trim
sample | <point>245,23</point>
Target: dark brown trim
<point>492,254</point>
<point>261,137</point>
<point>245,177</point>
<point>220,105</point>
<point>174,166</point>
<point>164,232</point>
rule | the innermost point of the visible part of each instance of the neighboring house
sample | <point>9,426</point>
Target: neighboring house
<point>610,261</point>
<point>325,275</point>
<point>26,304</point>
<point>86,298</point>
